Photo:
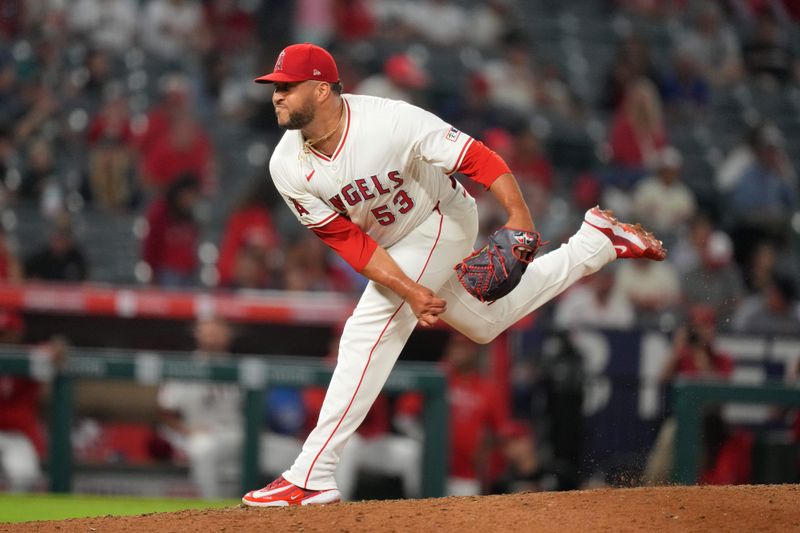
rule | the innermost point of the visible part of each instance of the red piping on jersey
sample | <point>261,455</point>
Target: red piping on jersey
<point>341,143</point>
<point>460,157</point>
<point>369,358</point>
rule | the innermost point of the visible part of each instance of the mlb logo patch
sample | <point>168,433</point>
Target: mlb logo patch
<point>452,134</point>
<point>523,238</point>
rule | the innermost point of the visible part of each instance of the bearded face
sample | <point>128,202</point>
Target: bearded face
<point>299,118</point>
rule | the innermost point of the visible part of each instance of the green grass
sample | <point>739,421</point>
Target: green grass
<point>27,507</point>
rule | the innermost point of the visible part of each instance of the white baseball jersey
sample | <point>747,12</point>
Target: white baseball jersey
<point>386,188</point>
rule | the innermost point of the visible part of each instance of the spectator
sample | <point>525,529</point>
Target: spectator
<point>204,420</point>
<point>632,61</point>
<point>490,21</point>
<point>174,30</point>
<point>12,104</point>
<point>185,147</point>
<point>439,22</point>
<point>759,270</point>
<point>174,100</point>
<point>662,201</point>
<point>111,144</point>
<point>40,171</point>
<point>688,251</point>
<point>653,288</point>
<point>766,193</point>
<point>107,24</point>
<point>354,19</point>
<point>170,247</point>
<point>637,133</point>
<point>513,85</point>
<point>684,88</point>
<point>595,304</point>
<point>773,311</point>
<point>715,281</point>
<point>525,471</point>
<point>693,355</point>
<point>401,79</point>
<point>231,26</point>
<point>768,55</point>
<point>739,158</point>
<point>713,44</point>
<point>250,243</point>
<point>62,259</point>
<point>100,66</point>
<point>21,442</point>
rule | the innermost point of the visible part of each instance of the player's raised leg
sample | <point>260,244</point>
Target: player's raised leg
<point>600,240</point>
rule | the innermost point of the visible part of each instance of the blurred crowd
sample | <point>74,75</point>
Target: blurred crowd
<point>679,114</point>
<point>683,115</point>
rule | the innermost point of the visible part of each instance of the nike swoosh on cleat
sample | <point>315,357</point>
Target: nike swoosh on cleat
<point>621,249</point>
<point>263,493</point>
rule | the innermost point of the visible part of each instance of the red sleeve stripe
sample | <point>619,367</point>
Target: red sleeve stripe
<point>460,156</point>
<point>347,240</point>
<point>323,221</point>
<point>483,165</point>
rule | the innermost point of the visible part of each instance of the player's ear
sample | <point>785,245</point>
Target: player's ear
<point>323,90</point>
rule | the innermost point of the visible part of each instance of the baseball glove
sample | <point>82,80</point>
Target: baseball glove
<point>493,271</point>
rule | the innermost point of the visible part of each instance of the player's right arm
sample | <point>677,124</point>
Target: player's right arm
<point>358,249</point>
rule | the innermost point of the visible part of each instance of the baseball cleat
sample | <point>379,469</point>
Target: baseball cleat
<point>631,241</point>
<point>281,493</point>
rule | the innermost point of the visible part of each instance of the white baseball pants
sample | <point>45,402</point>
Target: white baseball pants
<point>381,324</point>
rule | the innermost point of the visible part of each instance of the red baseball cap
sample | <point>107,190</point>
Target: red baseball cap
<point>301,62</point>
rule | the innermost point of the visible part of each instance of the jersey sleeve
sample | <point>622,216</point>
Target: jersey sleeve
<point>431,138</point>
<point>310,210</point>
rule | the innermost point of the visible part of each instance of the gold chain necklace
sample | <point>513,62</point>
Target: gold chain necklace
<point>307,145</point>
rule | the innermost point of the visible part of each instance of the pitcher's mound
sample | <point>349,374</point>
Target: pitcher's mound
<point>680,509</point>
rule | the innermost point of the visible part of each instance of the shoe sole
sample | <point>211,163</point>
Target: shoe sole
<point>633,233</point>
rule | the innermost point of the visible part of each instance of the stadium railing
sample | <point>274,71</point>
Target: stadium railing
<point>254,374</point>
<point>690,400</point>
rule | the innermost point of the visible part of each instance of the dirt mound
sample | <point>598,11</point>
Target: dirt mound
<point>741,508</point>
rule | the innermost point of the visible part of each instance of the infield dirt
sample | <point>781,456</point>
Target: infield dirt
<point>680,509</point>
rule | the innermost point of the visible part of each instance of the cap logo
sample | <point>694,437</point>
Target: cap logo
<point>317,72</point>
<point>279,62</point>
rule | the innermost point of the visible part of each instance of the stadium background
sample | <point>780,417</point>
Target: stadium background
<point>104,107</point>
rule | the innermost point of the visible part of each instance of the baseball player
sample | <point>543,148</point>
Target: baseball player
<point>373,179</point>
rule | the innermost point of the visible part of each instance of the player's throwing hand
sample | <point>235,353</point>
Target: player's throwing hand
<point>426,305</point>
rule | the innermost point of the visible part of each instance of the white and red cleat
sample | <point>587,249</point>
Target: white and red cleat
<point>281,493</point>
<point>631,241</point>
